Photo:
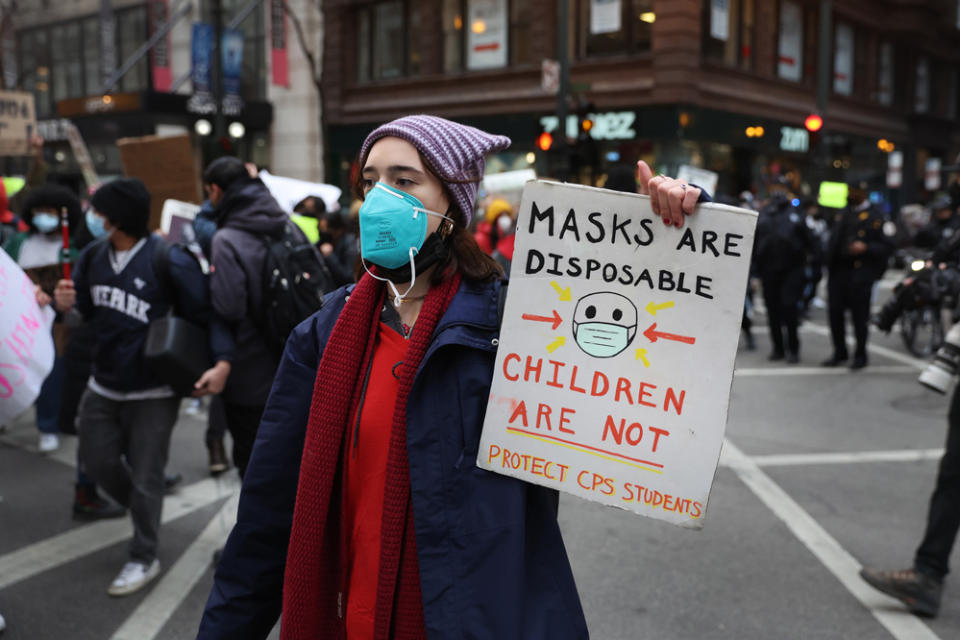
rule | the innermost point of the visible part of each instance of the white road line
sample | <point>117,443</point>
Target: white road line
<point>811,327</point>
<point>788,460</point>
<point>901,625</point>
<point>68,546</point>
<point>757,372</point>
<point>149,618</point>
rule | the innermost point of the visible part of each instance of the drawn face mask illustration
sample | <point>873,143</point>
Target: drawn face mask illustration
<point>604,324</point>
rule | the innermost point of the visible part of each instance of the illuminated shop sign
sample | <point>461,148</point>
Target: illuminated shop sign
<point>610,125</point>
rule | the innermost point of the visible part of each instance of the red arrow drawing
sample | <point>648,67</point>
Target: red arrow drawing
<point>556,319</point>
<point>651,334</point>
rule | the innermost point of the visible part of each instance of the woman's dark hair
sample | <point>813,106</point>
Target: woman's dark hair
<point>52,196</point>
<point>465,254</point>
<point>224,171</point>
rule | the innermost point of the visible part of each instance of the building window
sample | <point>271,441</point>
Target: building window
<point>35,70</point>
<point>131,33</point>
<point>921,93</point>
<point>790,49</point>
<point>522,18</point>
<point>728,32</point>
<point>253,77</point>
<point>611,27</point>
<point>66,64</point>
<point>885,75</point>
<point>388,40</point>
<point>843,56</point>
<point>951,91</point>
<point>452,35</point>
<point>92,68</point>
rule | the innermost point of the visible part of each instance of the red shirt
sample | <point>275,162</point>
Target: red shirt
<point>365,479</point>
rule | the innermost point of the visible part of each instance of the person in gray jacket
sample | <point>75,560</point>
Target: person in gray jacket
<point>245,212</point>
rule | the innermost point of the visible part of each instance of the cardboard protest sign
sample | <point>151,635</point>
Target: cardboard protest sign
<point>175,218</point>
<point>26,344</point>
<point>168,166</point>
<point>18,122</point>
<point>616,352</point>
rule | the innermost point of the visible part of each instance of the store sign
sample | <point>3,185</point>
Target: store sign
<point>486,34</point>
<point>794,139</point>
<point>611,125</point>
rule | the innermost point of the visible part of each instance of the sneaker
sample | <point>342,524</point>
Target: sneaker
<point>218,457</point>
<point>133,577</point>
<point>921,593</point>
<point>48,442</point>
<point>88,505</point>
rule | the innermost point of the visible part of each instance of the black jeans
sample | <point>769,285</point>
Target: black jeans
<point>781,294</point>
<point>124,447</point>
<point>845,291</point>
<point>242,421</point>
<point>943,518</point>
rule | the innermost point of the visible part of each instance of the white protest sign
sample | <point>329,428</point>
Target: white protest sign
<point>616,352</point>
<point>26,344</point>
<point>288,192</point>
<point>703,178</point>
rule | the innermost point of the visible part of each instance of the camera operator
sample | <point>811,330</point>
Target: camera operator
<point>941,233</point>
<point>859,247</point>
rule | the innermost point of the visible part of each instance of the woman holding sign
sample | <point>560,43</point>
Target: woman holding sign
<point>363,514</point>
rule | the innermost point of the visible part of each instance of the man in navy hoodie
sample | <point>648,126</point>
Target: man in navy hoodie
<point>127,414</point>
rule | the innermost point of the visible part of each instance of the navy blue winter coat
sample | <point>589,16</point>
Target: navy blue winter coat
<point>492,562</point>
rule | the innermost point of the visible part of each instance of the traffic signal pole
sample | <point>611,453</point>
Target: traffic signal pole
<point>563,58</point>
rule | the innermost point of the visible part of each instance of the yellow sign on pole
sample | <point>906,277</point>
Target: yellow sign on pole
<point>18,122</point>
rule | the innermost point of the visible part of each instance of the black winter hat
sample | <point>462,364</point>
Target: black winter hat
<point>51,196</point>
<point>125,202</point>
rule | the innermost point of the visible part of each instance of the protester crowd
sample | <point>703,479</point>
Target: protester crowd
<point>251,273</point>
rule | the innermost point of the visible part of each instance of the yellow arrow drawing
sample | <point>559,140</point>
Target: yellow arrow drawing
<point>653,308</point>
<point>642,355</point>
<point>564,293</point>
<point>556,344</point>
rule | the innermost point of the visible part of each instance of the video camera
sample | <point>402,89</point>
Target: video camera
<point>925,286</point>
<point>940,373</point>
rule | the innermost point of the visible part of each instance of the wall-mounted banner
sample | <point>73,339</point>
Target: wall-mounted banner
<point>232,65</point>
<point>201,69</point>
<point>280,73</point>
<point>616,354</point>
<point>26,344</point>
<point>18,122</point>
<point>160,53</point>
<point>486,34</point>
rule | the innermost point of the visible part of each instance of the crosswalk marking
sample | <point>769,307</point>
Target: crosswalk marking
<point>81,541</point>
<point>149,618</point>
<point>758,372</point>
<point>888,612</point>
<point>905,455</point>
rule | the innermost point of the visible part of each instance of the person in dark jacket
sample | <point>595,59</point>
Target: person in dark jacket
<point>942,229</point>
<point>860,245</point>
<point>783,246</point>
<point>127,413</point>
<point>245,212</point>
<point>339,247</point>
<point>363,513</point>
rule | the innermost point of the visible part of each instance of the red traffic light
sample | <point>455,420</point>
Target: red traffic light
<point>813,122</point>
<point>545,141</point>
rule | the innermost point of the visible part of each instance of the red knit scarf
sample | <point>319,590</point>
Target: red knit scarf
<point>313,599</point>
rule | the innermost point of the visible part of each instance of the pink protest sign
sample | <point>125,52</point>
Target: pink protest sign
<point>26,344</point>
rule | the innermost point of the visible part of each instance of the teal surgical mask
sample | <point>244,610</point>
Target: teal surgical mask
<point>45,222</point>
<point>393,228</point>
<point>95,225</point>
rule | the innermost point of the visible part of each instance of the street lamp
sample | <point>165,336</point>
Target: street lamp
<point>202,127</point>
<point>236,130</point>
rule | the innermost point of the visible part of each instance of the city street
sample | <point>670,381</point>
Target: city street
<point>823,470</point>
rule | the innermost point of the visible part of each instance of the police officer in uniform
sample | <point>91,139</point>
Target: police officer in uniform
<point>942,234</point>
<point>860,245</point>
<point>783,245</point>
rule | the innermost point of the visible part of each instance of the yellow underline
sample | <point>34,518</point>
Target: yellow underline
<point>593,453</point>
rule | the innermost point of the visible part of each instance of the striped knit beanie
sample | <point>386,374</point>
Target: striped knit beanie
<point>454,150</point>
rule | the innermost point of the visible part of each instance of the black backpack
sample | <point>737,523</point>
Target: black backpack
<point>295,279</point>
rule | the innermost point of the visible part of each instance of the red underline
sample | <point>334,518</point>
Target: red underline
<point>585,446</point>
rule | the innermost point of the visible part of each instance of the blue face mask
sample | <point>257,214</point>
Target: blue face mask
<point>95,224</point>
<point>45,222</point>
<point>393,228</point>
